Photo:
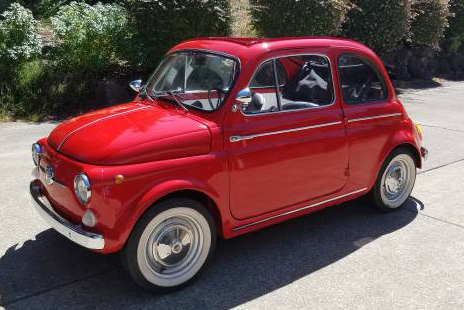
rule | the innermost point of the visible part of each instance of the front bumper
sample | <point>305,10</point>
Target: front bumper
<point>73,232</point>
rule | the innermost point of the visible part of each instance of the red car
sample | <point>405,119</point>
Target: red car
<point>228,136</point>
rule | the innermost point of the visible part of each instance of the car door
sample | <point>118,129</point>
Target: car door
<point>372,112</point>
<point>289,145</point>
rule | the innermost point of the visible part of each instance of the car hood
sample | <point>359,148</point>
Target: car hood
<point>130,133</point>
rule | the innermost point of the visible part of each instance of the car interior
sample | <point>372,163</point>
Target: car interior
<point>304,81</point>
<point>359,81</point>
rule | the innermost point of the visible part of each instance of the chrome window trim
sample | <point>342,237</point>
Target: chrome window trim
<point>373,117</point>
<point>249,137</point>
<point>303,109</point>
<point>298,210</point>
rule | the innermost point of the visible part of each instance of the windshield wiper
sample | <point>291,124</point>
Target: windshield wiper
<point>177,98</point>
<point>154,95</point>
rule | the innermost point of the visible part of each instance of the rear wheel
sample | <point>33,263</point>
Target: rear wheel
<point>170,245</point>
<point>395,181</point>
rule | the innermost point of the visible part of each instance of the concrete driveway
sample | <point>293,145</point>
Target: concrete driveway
<point>346,257</point>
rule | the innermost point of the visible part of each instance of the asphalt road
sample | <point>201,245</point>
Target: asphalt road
<point>346,257</point>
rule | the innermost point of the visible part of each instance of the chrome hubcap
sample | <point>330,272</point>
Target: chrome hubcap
<point>394,181</point>
<point>398,180</point>
<point>173,246</point>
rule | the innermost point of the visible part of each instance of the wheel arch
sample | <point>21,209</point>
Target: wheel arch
<point>172,189</point>
<point>388,151</point>
<point>412,149</point>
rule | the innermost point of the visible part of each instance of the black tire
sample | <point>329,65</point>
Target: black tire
<point>379,195</point>
<point>147,267</point>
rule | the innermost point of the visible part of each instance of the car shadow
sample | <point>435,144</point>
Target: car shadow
<point>52,273</point>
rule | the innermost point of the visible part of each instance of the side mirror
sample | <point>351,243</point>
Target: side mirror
<point>135,85</point>
<point>244,98</point>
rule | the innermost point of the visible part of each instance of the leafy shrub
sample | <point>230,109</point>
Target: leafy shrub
<point>19,39</point>
<point>160,24</point>
<point>455,32</point>
<point>91,39</point>
<point>429,21</point>
<point>39,8</point>
<point>19,43</point>
<point>380,24</point>
<point>299,17</point>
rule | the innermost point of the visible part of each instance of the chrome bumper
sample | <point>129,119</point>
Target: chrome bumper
<point>73,232</point>
<point>424,153</point>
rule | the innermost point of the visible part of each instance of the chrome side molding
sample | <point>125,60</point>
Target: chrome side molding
<point>373,117</point>
<point>300,209</point>
<point>249,137</point>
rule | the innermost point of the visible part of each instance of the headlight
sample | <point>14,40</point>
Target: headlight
<point>82,188</point>
<point>36,150</point>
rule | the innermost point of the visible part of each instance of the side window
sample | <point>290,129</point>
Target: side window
<point>309,83</point>
<point>263,89</point>
<point>360,82</point>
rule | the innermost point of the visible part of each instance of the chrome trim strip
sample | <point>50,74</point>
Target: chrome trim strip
<point>73,232</point>
<point>98,120</point>
<point>249,137</point>
<point>372,117</point>
<point>298,210</point>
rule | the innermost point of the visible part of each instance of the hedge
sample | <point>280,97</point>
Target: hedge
<point>429,21</point>
<point>380,24</point>
<point>455,32</point>
<point>298,17</point>
<point>19,38</point>
<point>160,24</point>
<point>91,39</point>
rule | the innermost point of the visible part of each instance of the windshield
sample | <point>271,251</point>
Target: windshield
<point>198,79</point>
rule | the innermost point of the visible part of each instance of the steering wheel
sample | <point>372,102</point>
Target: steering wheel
<point>220,93</point>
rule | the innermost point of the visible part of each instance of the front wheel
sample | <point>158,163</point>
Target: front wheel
<point>395,181</point>
<point>170,245</point>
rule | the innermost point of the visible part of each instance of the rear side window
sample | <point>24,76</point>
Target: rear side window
<point>360,82</point>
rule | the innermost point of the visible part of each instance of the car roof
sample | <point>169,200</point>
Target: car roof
<point>244,47</point>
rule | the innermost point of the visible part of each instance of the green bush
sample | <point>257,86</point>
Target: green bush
<point>429,21</point>
<point>19,39</point>
<point>298,17</point>
<point>19,44</point>
<point>39,8</point>
<point>455,32</point>
<point>160,24</point>
<point>90,39</point>
<point>380,24</point>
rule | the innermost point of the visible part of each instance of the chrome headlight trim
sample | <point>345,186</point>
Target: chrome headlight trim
<point>36,151</point>
<point>82,188</point>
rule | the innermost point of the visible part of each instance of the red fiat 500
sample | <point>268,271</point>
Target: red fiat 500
<point>226,137</point>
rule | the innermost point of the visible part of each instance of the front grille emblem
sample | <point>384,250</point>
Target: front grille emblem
<point>49,174</point>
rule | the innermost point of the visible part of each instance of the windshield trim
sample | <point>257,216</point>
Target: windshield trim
<point>232,85</point>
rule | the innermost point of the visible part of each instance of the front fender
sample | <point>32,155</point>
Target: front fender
<point>156,193</point>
